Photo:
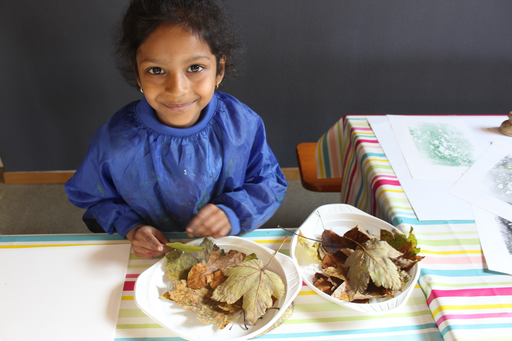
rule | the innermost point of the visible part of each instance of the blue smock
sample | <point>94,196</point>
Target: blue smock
<point>140,171</point>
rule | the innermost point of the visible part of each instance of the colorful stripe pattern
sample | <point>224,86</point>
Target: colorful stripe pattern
<point>313,319</point>
<point>467,301</point>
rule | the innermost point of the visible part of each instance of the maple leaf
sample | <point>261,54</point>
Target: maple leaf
<point>202,274</point>
<point>373,260</point>
<point>179,264</point>
<point>254,283</point>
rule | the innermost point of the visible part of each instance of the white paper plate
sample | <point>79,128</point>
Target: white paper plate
<point>340,218</point>
<point>152,283</point>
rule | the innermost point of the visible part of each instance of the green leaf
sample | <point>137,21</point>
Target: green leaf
<point>256,285</point>
<point>179,264</point>
<point>208,247</point>
<point>184,248</point>
<point>407,245</point>
<point>250,257</point>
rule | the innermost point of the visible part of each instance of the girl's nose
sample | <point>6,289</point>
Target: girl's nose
<point>177,84</point>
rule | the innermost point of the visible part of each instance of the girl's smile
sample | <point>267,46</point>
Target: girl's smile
<point>178,74</point>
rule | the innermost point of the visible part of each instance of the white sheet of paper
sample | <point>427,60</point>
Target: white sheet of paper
<point>430,198</point>
<point>61,293</point>
<point>495,235</point>
<point>435,147</point>
<point>488,183</point>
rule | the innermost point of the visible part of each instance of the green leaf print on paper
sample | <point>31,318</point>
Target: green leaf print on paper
<point>442,144</point>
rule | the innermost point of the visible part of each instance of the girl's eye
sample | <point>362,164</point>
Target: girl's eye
<point>156,71</point>
<point>195,68</point>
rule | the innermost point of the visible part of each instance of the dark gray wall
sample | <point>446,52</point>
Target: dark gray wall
<point>309,63</point>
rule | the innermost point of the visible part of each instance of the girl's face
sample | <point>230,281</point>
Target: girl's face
<point>178,74</point>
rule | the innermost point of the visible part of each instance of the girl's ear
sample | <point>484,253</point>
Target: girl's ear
<point>221,70</point>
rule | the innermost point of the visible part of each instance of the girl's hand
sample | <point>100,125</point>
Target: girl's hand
<point>148,242</point>
<point>209,221</point>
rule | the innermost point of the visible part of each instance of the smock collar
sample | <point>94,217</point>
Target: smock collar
<point>148,115</point>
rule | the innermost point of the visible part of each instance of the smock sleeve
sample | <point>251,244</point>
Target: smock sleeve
<point>263,190</point>
<point>93,187</point>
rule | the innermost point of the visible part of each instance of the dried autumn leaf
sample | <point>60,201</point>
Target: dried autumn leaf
<point>345,293</point>
<point>322,283</point>
<point>340,273</point>
<point>254,283</point>
<point>373,260</point>
<point>311,248</point>
<point>208,248</point>
<point>200,302</point>
<point>350,240</point>
<point>179,264</point>
<point>332,260</point>
<point>184,247</point>
<point>201,274</point>
<point>218,279</point>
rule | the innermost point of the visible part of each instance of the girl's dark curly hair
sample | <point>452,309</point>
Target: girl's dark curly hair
<point>206,18</point>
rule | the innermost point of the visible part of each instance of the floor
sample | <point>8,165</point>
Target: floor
<point>44,209</point>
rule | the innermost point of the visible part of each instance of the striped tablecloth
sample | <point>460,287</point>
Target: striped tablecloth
<point>467,301</point>
<point>313,319</point>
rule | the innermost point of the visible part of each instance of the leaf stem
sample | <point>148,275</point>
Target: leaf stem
<point>275,253</point>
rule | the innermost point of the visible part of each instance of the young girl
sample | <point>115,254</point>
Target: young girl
<point>184,157</point>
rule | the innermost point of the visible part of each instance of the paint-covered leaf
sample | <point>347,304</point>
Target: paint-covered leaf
<point>200,302</point>
<point>252,282</point>
<point>208,247</point>
<point>179,264</point>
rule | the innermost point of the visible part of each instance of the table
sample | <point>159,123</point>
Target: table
<point>466,300</point>
<point>313,319</point>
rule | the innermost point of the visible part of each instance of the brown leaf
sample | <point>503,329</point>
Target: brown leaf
<point>346,293</point>
<point>322,283</point>
<point>218,279</point>
<point>351,239</point>
<point>376,291</point>
<point>332,260</point>
<point>202,274</point>
<point>340,273</point>
<point>199,276</point>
